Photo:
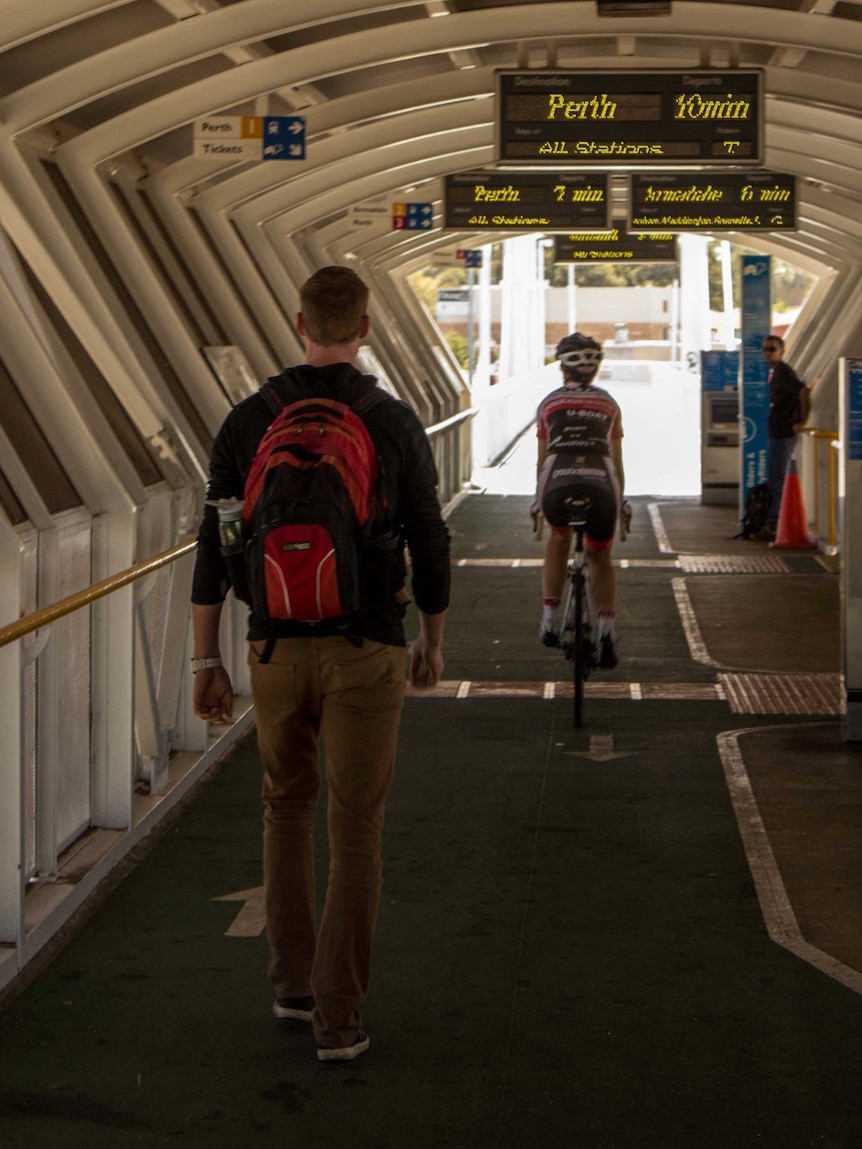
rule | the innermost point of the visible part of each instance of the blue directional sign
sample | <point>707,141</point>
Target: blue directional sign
<point>853,436</point>
<point>412,216</point>
<point>419,216</point>
<point>473,257</point>
<point>756,316</point>
<point>284,137</point>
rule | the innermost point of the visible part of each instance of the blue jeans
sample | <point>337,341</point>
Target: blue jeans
<point>779,452</point>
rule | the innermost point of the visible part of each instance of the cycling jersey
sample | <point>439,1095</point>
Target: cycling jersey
<point>578,427</point>
<point>571,419</point>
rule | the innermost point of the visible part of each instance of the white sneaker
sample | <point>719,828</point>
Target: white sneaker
<point>345,1052</point>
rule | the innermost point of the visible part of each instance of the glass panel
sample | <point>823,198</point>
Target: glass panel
<point>71,639</point>
<point>167,281</point>
<point>188,279</point>
<point>165,368</point>
<point>33,449</point>
<point>15,513</point>
<point>132,442</point>
<point>233,371</point>
<point>195,220</point>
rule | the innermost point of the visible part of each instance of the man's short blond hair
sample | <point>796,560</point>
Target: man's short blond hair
<point>333,302</point>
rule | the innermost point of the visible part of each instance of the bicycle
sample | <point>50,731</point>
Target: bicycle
<point>579,632</point>
<point>580,625</point>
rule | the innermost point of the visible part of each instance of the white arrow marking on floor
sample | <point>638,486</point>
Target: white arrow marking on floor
<point>601,749</point>
<point>251,919</point>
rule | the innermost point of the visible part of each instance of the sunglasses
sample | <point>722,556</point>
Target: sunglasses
<point>771,350</point>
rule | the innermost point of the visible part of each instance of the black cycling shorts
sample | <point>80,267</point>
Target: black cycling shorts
<point>590,477</point>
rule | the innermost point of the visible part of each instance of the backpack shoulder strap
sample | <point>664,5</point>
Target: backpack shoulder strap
<point>361,407</point>
<point>365,402</point>
<point>272,397</point>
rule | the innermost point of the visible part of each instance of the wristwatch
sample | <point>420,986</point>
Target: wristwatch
<point>205,664</point>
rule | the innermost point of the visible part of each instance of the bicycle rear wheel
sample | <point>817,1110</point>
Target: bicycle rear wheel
<point>580,650</point>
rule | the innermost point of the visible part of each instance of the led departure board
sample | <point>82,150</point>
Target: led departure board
<point>713,201</point>
<point>629,119</point>
<point>615,246</point>
<point>550,201</point>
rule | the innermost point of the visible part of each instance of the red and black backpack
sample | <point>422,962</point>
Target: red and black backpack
<point>312,499</point>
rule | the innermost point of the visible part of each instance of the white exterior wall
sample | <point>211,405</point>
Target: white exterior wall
<point>594,305</point>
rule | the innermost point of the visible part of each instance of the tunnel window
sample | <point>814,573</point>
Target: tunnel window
<point>34,450</point>
<point>125,430</point>
<point>15,512</point>
<point>195,221</point>
<point>217,332</point>
<point>169,376</point>
<point>790,287</point>
<point>169,264</point>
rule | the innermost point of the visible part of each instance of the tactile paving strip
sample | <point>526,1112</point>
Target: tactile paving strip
<point>783,693</point>
<point>812,694</point>
<point>734,564</point>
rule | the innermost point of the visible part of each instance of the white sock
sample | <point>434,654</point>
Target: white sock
<point>607,620</point>
<point>551,614</point>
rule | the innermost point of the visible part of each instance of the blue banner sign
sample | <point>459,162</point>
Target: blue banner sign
<point>854,409</point>
<point>756,323</point>
<point>719,370</point>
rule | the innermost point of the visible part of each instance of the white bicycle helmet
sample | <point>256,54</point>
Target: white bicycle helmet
<point>580,356</point>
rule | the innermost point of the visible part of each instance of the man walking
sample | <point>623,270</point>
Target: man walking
<point>340,679</point>
<point>789,407</point>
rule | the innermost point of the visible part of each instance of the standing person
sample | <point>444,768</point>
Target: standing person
<point>789,407</point>
<point>580,454</point>
<point>342,679</point>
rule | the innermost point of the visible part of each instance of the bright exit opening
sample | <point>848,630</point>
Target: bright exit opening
<point>642,314</point>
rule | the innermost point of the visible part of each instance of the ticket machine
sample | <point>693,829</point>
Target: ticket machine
<point>720,447</point>
<point>720,457</point>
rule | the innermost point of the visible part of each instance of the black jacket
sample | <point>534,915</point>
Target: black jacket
<point>409,479</point>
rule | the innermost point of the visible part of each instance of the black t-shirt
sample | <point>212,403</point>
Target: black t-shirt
<point>785,410</point>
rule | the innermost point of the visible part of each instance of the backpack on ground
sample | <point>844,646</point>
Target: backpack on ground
<point>311,500</point>
<point>756,511</point>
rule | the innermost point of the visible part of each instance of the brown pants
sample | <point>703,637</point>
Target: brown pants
<point>351,697</point>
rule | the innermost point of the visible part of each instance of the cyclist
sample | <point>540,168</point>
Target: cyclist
<point>580,454</point>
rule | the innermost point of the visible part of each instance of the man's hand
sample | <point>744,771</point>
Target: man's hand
<point>426,663</point>
<point>213,695</point>
<point>426,651</point>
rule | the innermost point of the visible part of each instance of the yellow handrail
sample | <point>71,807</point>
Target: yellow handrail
<point>31,622</point>
<point>832,437</point>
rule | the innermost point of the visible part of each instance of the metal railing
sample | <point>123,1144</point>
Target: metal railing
<point>451,465</point>
<point>73,602</point>
<point>141,729</point>
<point>451,446</point>
<point>831,439</point>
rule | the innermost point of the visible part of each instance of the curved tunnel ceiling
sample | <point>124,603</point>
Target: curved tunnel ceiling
<point>396,95</point>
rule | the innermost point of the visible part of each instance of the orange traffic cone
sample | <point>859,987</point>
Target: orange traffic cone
<point>792,522</point>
